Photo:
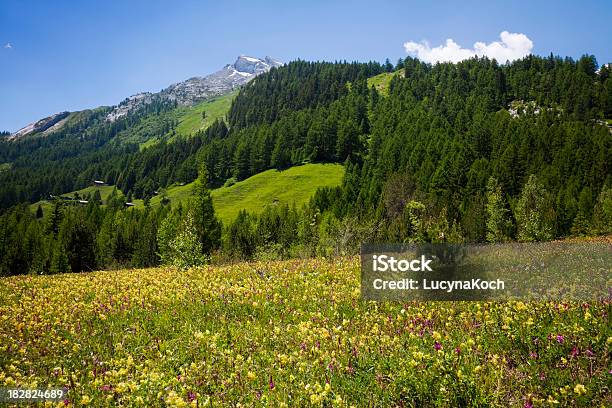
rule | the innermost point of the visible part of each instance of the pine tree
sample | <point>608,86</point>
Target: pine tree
<point>582,222</point>
<point>241,236</point>
<point>241,162</point>
<point>399,65</point>
<point>97,198</point>
<point>56,218</point>
<point>80,243</point>
<point>348,140</point>
<point>165,234</point>
<point>34,248</point>
<point>145,248</point>
<point>413,215</point>
<point>105,240</point>
<point>39,212</point>
<point>207,225</point>
<point>602,213</point>
<point>59,260</point>
<point>280,158</point>
<point>388,65</point>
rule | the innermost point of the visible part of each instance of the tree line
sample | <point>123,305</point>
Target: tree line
<point>467,152</point>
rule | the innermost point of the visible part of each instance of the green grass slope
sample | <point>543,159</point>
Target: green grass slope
<point>105,191</point>
<point>292,186</point>
<point>190,119</point>
<point>272,187</point>
<point>381,81</point>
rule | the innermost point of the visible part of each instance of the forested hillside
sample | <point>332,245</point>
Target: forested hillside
<point>474,151</point>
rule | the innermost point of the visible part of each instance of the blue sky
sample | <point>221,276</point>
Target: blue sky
<point>71,55</point>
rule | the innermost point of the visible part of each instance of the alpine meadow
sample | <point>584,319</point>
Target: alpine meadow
<point>199,246</point>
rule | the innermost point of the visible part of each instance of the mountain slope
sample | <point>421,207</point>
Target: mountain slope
<point>272,187</point>
<point>186,93</point>
<point>292,186</point>
<point>45,126</point>
<point>436,159</point>
<point>197,89</point>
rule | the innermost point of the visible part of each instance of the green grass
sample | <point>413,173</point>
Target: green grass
<point>105,191</point>
<point>292,186</point>
<point>177,194</point>
<point>5,167</point>
<point>381,81</point>
<point>272,187</point>
<point>150,130</point>
<point>190,120</point>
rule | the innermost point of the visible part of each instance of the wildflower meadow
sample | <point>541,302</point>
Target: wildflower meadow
<point>292,333</point>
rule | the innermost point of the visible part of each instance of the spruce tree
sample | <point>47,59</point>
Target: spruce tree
<point>145,248</point>
<point>207,225</point>
<point>582,222</point>
<point>602,213</point>
<point>97,198</point>
<point>59,259</point>
<point>80,242</point>
<point>241,236</point>
<point>56,218</point>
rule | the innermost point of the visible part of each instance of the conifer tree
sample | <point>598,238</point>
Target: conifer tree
<point>582,222</point>
<point>105,239</point>
<point>207,225</point>
<point>165,234</point>
<point>145,248</point>
<point>413,215</point>
<point>97,198</point>
<point>59,259</point>
<point>79,241</point>
<point>241,236</point>
<point>348,140</point>
<point>602,213</point>
<point>56,218</point>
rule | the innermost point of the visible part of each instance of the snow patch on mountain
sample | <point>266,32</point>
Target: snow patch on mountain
<point>197,89</point>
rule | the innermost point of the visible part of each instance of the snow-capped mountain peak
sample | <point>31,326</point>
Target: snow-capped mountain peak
<point>254,66</point>
<point>197,89</point>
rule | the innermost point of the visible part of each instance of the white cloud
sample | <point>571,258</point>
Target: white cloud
<point>8,45</point>
<point>512,46</point>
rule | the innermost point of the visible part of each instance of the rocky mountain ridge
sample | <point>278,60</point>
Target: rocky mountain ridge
<point>45,126</point>
<point>197,89</point>
<point>185,93</point>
